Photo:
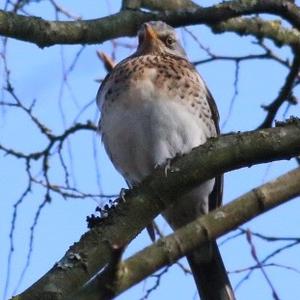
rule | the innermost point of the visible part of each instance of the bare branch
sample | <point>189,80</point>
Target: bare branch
<point>64,11</point>
<point>144,203</point>
<point>261,29</point>
<point>209,227</point>
<point>159,5</point>
<point>47,33</point>
<point>284,94</point>
<point>260,265</point>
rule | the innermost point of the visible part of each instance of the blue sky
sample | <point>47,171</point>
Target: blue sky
<point>37,74</point>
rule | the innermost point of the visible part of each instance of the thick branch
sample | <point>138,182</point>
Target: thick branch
<point>159,5</point>
<point>144,203</point>
<point>47,33</point>
<point>261,29</point>
<point>171,248</point>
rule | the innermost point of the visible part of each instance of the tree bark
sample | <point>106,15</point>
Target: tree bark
<point>168,250</point>
<point>126,23</point>
<point>142,204</point>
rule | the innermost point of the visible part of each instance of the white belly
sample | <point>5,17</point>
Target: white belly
<point>144,127</point>
<point>140,135</point>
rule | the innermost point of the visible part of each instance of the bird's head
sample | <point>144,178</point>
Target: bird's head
<point>157,37</point>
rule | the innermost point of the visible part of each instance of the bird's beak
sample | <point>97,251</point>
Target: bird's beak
<point>150,34</point>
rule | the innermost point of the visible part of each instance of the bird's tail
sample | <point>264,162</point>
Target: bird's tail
<point>210,276</point>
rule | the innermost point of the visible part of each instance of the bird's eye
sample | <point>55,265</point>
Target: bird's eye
<point>169,41</point>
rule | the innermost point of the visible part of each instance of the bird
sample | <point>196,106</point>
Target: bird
<point>154,106</point>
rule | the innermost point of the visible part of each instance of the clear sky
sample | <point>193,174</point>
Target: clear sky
<point>37,74</point>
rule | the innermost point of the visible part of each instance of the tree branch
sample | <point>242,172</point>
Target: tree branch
<point>142,204</point>
<point>261,29</point>
<point>159,5</point>
<point>125,23</point>
<point>284,94</point>
<point>168,250</point>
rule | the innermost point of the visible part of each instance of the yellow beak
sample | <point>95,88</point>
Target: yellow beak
<point>150,34</point>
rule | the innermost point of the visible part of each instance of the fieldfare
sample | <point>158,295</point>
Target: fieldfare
<point>154,105</point>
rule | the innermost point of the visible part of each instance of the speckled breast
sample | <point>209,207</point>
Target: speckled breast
<point>138,80</point>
